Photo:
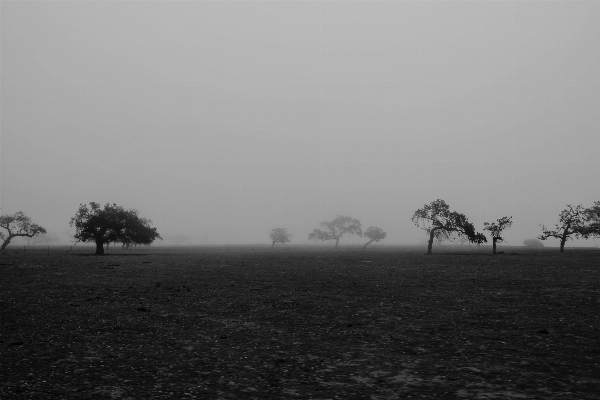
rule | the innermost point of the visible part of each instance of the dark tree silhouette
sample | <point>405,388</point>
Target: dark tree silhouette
<point>337,228</point>
<point>137,231</point>
<point>570,221</point>
<point>591,222</point>
<point>439,223</point>
<point>375,234</point>
<point>533,243</point>
<point>111,224</point>
<point>496,228</point>
<point>18,224</point>
<point>280,235</point>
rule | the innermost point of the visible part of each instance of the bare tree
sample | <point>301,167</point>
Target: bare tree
<point>439,223</point>
<point>375,234</point>
<point>570,222</point>
<point>18,224</point>
<point>280,235</point>
<point>337,228</point>
<point>496,228</point>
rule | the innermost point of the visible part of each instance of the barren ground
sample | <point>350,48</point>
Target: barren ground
<point>385,324</point>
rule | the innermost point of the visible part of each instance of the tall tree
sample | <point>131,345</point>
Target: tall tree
<point>18,224</point>
<point>111,224</point>
<point>570,222</point>
<point>280,235</point>
<point>496,228</point>
<point>337,228</point>
<point>375,234</point>
<point>439,223</point>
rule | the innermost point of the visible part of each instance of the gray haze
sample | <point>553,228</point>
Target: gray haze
<point>223,120</point>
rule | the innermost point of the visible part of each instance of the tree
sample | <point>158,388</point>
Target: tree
<point>533,243</point>
<point>179,239</point>
<point>46,238</point>
<point>375,234</point>
<point>111,224</point>
<point>18,224</point>
<point>496,228</point>
<point>280,235</point>
<point>591,222</point>
<point>337,228</point>
<point>570,222</point>
<point>137,230</point>
<point>439,223</point>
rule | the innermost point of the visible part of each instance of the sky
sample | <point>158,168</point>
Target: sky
<point>222,120</point>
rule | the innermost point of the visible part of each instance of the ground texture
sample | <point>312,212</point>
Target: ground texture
<point>387,324</point>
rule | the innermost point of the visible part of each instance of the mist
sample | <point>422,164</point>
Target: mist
<point>224,120</point>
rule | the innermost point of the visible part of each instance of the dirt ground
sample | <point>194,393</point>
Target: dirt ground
<point>386,324</point>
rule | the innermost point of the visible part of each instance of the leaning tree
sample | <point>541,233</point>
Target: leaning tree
<point>111,224</point>
<point>440,223</point>
<point>570,223</point>
<point>336,229</point>
<point>496,228</point>
<point>18,224</point>
<point>375,234</point>
<point>280,235</point>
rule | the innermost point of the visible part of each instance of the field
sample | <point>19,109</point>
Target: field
<point>205,323</point>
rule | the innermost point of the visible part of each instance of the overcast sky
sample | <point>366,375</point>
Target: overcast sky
<point>224,119</point>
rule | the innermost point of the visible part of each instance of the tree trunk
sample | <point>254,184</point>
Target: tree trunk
<point>430,243</point>
<point>6,242</point>
<point>368,243</point>
<point>336,242</point>
<point>99,248</point>
<point>493,245</point>
<point>563,239</point>
<point>273,245</point>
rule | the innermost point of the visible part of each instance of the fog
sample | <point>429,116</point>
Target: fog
<point>224,120</point>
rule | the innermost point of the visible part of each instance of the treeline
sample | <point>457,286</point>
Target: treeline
<point>114,224</point>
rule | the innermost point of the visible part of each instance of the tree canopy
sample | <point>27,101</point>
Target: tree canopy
<point>280,235</point>
<point>375,234</point>
<point>439,223</point>
<point>570,223</point>
<point>18,224</point>
<point>496,228</point>
<point>111,224</point>
<point>591,222</point>
<point>337,228</point>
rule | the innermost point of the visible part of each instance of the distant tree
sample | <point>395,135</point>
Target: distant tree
<point>46,238</point>
<point>570,223</point>
<point>375,234</point>
<point>439,223</point>
<point>280,235</point>
<point>496,228</point>
<point>533,243</point>
<point>337,228</point>
<point>179,239</point>
<point>16,225</point>
<point>591,222</point>
<point>111,224</point>
<point>462,240</point>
